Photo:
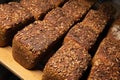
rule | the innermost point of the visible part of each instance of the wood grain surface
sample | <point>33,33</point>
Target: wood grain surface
<point>7,60</point>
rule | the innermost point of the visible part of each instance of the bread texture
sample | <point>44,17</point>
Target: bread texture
<point>38,39</point>
<point>99,18</point>
<point>75,8</point>
<point>68,63</point>
<point>40,7</point>
<point>59,19</point>
<point>86,32</point>
<point>13,18</point>
<point>106,62</point>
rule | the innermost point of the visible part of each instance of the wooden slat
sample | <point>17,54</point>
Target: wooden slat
<point>7,60</point>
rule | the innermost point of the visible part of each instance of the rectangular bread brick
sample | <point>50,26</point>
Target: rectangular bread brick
<point>34,42</point>
<point>83,35</point>
<point>67,63</point>
<point>86,32</point>
<point>60,25</point>
<point>106,62</point>
<point>40,7</point>
<point>100,17</point>
<point>58,18</point>
<point>13,17</point>
<point>75,8</point>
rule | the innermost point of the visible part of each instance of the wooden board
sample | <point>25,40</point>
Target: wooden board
<point>7,60</point>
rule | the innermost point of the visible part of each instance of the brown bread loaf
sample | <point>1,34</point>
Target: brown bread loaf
<point>40,7</point>
<point>61,66</point>
<point>106,62</point>
<point>59,25</point>
<point>100,18</point>
<point>13,17</point>
<point>68,63</point>
<point>105,65</point>
<point>74,8</point>
<point>88,30</point>
<point>38,40</point>
<point>83,35</point>
<point>58,18</point>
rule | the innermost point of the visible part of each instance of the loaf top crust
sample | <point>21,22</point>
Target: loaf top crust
<point>39,7</point>
<point>12,14</point>
<point>83,35</point>
<point>78,7</point>
<point>99,18</point>
<point>68,66</point>
<point>36,7</point>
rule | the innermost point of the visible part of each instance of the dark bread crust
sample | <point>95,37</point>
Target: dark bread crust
<point>86,32</point>
<point>75,8</point>
<point>106,62</point>
<point>37,40</point>
<point>58,18</point>
<point>68,63</point>
<point>83,35</point>
<point>40,7</point>
<point>13,18</point>
<point>99,18</point>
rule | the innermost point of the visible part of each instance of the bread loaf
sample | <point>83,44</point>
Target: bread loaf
<point>75,8</point>
<point>40,7</point>
<point>86,32</point>
<point>68,63</point>
<point>106,62</point>
<point>13,17</point>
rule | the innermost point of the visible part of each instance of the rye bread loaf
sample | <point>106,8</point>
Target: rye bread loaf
<point>106,10</point>
<point>40,7</point>
<point>86,32</point>
<point>75,8</point>
<point>59,19</point>
<point>106,62</point>
<point>13,17</point>
<point>68,63</point>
